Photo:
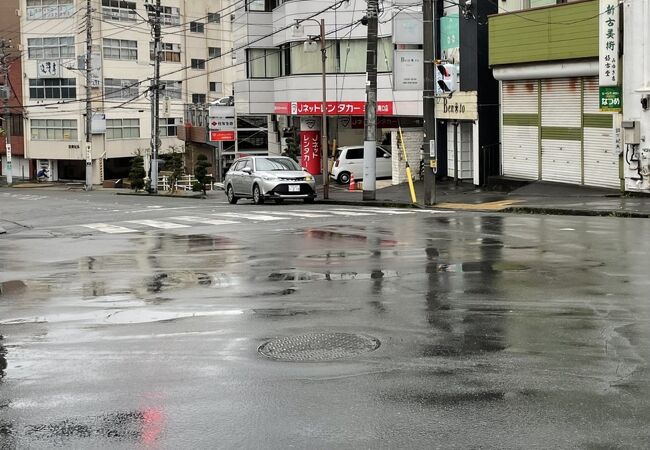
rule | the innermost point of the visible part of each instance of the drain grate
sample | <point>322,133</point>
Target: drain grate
<point>319,347</point>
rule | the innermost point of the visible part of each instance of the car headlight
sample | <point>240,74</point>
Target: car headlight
<point>309,178</point>
<point>269,177</point>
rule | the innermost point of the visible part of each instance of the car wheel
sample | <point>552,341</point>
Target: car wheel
<point>230,193</point>
<point>344,178</point>
<point>258,198</point>
<point>279,201</point>
<point>309,200</point>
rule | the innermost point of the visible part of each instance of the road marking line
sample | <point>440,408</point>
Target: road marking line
<point>297,214</point>
<point>159,224</point>
<point>203,220</point>
<point>378,211</point>
<point>111,229</point>
<point>261,217</point>
<point>340,213</point>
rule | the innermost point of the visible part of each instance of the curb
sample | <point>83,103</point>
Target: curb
<point>574,212</point>
<point>3,231</point>
<point>380,203</point>
<point>146,194</point>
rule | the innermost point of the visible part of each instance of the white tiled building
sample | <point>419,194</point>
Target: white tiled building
<point>283,81</point>
<point>53,45</point>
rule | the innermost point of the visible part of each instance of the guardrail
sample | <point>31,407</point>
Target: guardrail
<point>184,183</point>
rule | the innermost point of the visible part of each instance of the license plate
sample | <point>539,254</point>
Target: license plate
<point>294,188</point>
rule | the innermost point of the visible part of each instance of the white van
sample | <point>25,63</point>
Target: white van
<point>349,160</point>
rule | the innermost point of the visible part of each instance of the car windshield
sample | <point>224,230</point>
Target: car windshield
<point>273,164</point>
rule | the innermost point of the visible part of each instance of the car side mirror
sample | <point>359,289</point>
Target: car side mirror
<point>247,170</point>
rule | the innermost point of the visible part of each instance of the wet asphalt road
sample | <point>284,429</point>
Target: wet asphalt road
<point>495,331</point>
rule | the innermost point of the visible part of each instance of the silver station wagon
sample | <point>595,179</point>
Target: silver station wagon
<point>268,177</point>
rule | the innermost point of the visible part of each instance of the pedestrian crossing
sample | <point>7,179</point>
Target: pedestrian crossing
<point>234,218</point>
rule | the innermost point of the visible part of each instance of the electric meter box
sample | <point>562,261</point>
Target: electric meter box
<point>631,132</point>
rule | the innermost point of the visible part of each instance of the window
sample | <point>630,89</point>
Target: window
<point>310,62</point>
<point>215,86</point>
<point>120,88</point>
<point>198,64</point>
<point>214,18</point>
<point>198,98</point>
<point>263,5</point>
<point>214,52</point>
<point>196,27</point>
<point>119,10</point>
<point>120,49</point>
<point>49,9</point>
<point>264,63</point>
<point>171,89</point>
<point>54,129</point>
<point>169,16</point>
<point>122,128</point>
<point>354,153</point>
<point>50,48</point>
<point>52,88</point>
<point>168,52</point>
<point>168,126</point>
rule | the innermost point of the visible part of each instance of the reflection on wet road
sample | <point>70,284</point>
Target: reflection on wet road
<point>486,331</point>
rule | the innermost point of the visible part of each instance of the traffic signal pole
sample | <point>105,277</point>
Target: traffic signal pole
<point>429,101</point>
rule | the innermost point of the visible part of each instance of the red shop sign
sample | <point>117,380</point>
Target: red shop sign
<point>333,108</point>
<point>222,136</point>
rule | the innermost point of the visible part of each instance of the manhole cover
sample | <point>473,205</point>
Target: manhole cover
<point>319,347</point>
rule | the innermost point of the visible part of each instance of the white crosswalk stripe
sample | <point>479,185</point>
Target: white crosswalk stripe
<point>260,217</point>
<point>159,224</point>
<point>308,215</point>
<point>195,219</point>
<point>110,229</point>
<point>379,211</point>
<point>341,212</point>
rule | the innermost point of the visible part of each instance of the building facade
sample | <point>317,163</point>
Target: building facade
<point>281,79</point>
<point>11,92</point>
<point>552,126</point>
<point>53,42</point>
<point>636,96</point>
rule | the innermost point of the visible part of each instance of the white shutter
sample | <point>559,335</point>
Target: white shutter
<point>561,108</point>
<point>600,158</point>
<point>520,144</point>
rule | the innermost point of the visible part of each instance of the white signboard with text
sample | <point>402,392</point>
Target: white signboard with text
<point>408,70</point>
<point>608,43</point>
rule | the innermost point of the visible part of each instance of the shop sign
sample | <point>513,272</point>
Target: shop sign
<point>407,28</point>
<point>408,70</point>
<point>608,43</point>
<point>310,150</point>
<point>48,69</point>
<point>333,108</point>
<point>221,123</point>
<point>460,106</point>
<point>610,99</point>
<point>216,136</point>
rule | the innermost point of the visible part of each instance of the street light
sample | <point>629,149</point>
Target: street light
<point>324,148</point>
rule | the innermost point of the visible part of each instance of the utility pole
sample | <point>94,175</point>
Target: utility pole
<point>325,152</point>
<point>7,123</point>
<point>89,110</point>
<point>155,98</point>
<point>370,138</point>
<point>429,101</point>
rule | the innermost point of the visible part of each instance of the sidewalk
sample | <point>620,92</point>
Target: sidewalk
<point>533,198</point>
